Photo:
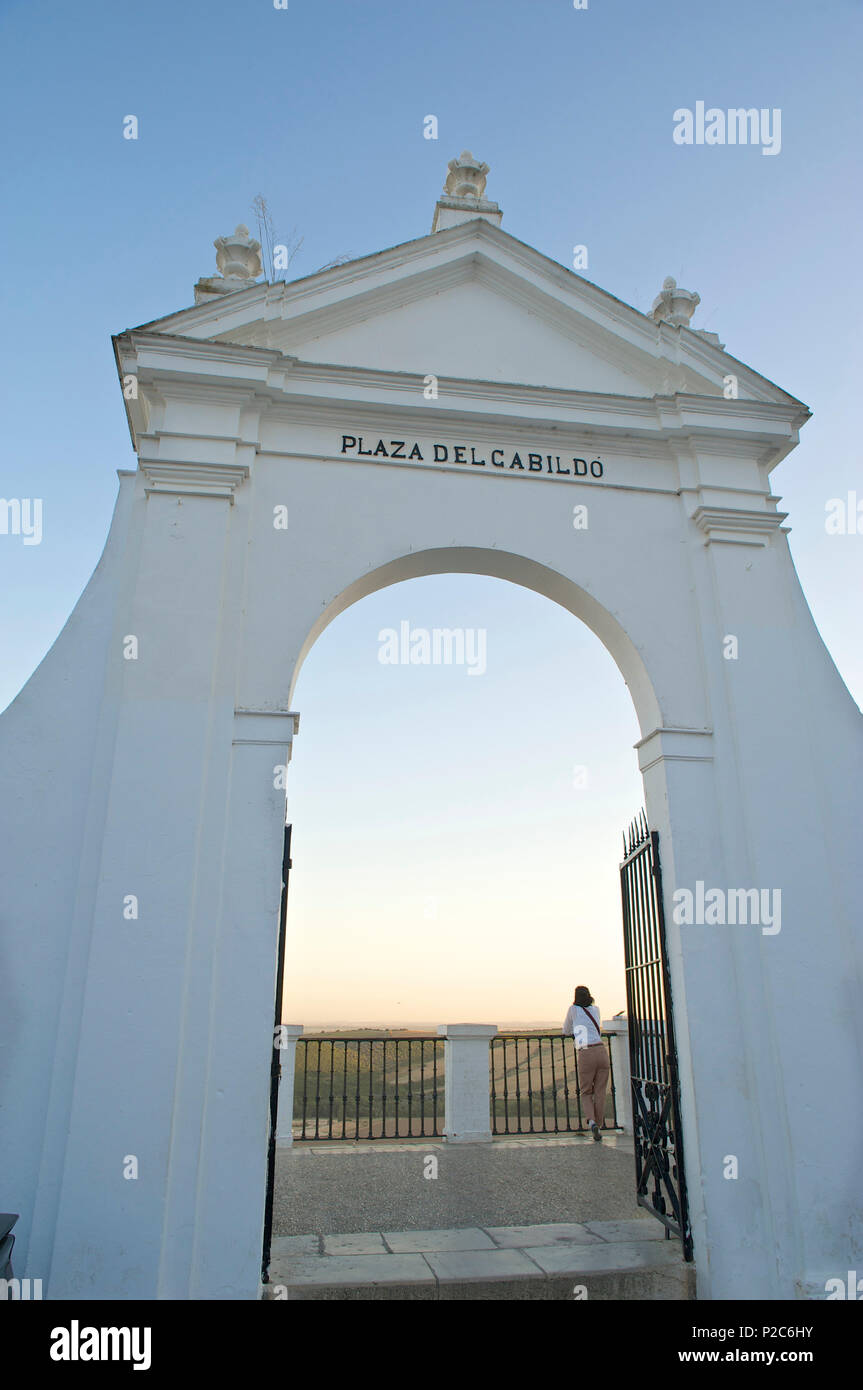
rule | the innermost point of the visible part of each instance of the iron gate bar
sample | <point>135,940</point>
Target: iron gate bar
<point>650,913</point>
<point>652,1043</point>
<point>275,1063</point>
<point>656,1162</point>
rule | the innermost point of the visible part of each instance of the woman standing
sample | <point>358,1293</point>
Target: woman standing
<point>582,1021</point>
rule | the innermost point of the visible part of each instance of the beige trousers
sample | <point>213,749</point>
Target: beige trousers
<point>593,1080</point>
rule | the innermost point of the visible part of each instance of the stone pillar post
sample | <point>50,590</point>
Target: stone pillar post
<point>287,1067</point>
<point>466,1075</point>
<point>618,1029</point>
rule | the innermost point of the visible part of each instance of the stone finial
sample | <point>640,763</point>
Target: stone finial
<point>466,177</point>
<point>239,260</point>
<point>238,256</point>
<point>673,305</point>
<point>463,198</point>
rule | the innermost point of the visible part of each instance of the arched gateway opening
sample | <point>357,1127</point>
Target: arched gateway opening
<point>448,850</point>
<point>456,402</point>
<point>515,569</point>
<point>511,724</point>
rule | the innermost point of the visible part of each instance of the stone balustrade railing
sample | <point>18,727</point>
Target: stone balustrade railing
<point>466,1084</point>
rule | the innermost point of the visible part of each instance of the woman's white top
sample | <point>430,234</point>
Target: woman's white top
<point>586,1021</point>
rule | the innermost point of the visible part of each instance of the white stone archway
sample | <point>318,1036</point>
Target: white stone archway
<point>514,569</point>
<point>443,405</point>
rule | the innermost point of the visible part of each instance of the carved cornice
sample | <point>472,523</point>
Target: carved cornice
<point>675,745</point>
<point>264,375</point>
<point>193,479</point>
<point>736,526</point>
<point>265,728</point>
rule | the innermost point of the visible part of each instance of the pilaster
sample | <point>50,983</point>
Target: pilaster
<point>466,1072</point>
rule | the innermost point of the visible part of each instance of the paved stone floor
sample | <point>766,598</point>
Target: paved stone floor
<point>327,1189</point>
<point>607,1259</point>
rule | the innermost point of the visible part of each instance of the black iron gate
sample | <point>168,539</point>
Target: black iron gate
<point>660,1180</point>
<point>275,1064</point>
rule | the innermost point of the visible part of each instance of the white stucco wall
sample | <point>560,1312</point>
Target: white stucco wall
<point>155,777</point>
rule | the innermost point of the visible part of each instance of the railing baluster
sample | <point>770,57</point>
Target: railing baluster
<point>554,1085</point>
<point>332,1071</point>
<point>344,1095</point>
<point>530,1088</point>
<point>505,1087</point>
<point>564,1048</point>
<point>518,1086</point>
<point>318,1094</point>
<point>359,1049</point>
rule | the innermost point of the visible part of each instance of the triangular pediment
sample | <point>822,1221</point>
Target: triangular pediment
<point>471,302</point>
<point>470,330</point>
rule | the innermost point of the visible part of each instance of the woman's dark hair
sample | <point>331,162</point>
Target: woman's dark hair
<point>583,996</point>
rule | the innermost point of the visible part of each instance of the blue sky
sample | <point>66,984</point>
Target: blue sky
<point>320,108</point>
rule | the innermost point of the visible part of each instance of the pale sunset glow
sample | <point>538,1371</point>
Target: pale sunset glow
<point>457,839</point>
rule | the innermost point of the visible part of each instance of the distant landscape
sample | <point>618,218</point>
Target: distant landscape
<point>404,1030</point>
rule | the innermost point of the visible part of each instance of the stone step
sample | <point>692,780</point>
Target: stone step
<point>594,1260</point>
